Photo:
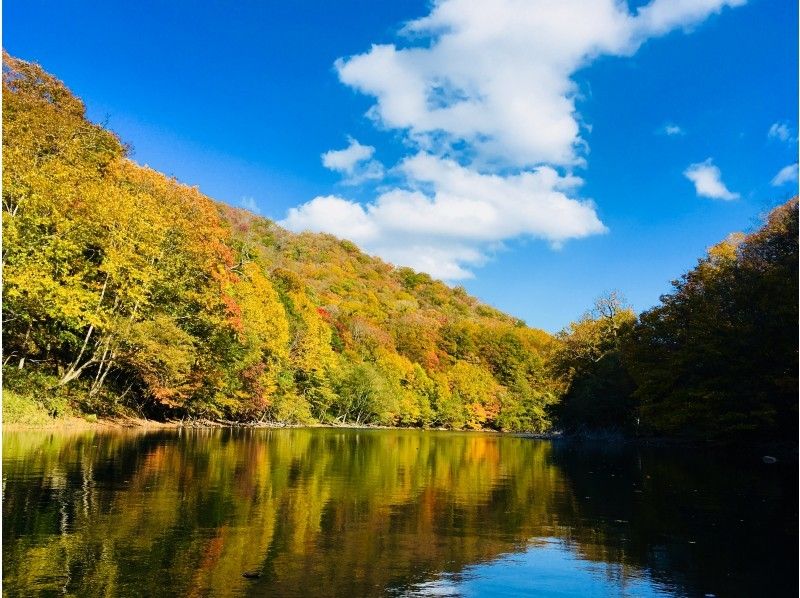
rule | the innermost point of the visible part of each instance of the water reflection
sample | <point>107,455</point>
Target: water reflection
<point>345,512</point>
<point>549,567</point>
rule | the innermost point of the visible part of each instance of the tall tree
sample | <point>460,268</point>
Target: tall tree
<point>598,394</point>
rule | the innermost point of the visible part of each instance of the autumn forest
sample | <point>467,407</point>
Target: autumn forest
<point>126,293</point>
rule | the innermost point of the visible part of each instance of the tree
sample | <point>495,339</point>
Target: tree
<point>599,389</point>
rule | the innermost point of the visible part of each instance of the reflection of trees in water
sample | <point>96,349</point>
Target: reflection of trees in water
<point>703,521</point>
<point>329,512</point>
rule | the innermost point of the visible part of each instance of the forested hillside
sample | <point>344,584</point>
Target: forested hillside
<point>125,290</point>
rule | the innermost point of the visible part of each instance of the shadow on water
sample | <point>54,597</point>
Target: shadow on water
<point>351,512</point>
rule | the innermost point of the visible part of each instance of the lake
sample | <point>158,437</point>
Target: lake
<point>332,512</point>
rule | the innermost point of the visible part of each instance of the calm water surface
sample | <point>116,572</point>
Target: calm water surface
<point>388,513</point>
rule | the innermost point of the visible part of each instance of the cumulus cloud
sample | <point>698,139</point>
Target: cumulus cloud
<point>780,131</point>
<point>498,75</point>
<point>354,162</point>
<point>707,181</point>
<point>334,215</point>
<point>482,94</point>
<point>787,174</point>
<point>450,213</point>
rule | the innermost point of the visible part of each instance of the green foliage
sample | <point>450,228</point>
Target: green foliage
<point>161,354</point>
<point>29,397</point>
<point>362,394</point>
<point>23,409</point>
<point>718,357</point>
<point>716,360</point>
<point>598,393</point>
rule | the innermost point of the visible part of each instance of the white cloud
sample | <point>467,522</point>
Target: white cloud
<point>672,130</point>
<point>497,75</point>
<point>334,215</point>
<point>787,174</point>
<point>249,203</point>
<point>482,94</point>
<point>707,181</point>
<point>662,16</point>
<point>449,214</point>
<point>781,132</point>
<point>355,162</point>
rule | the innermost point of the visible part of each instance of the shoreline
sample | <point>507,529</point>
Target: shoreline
<point>134,423</point>
<point>79,424</point>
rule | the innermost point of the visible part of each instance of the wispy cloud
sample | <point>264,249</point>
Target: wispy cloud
<point>707,180</point>
<point>787,174</point>
<point>482,94</point>
<point>354,162</point>
<point>781,131</point>
<point>672,130</point>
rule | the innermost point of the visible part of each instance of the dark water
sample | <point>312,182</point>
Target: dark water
<point>399,513</point>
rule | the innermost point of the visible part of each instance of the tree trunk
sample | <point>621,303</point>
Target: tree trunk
<point>74,370</point>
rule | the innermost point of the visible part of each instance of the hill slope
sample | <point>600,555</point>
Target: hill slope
<point>124,289</point>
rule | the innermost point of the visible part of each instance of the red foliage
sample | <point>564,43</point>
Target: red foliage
<point>234,312</point>
<point>252,380</point>
<point>431,361</point>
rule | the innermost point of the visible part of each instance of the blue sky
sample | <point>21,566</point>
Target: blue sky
<point>538,155</point>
